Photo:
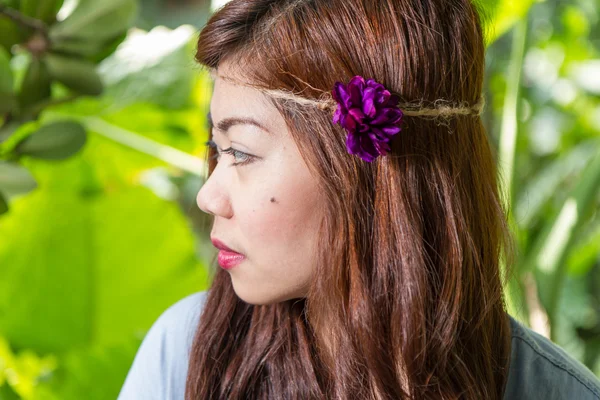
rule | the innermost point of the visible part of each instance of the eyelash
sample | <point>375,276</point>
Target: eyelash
<point>247,158</point>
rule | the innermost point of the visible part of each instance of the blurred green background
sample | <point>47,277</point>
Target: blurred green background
<point>102,136</point>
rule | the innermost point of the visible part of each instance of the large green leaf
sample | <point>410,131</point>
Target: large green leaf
<point>7,97</point>
<point>549,252</point>
<point>96,21</point>
<point>55,141</point>
<point>6,77</point>
<point>544,186</point>
<point>164,76</point>
<point>41,9</point>
<point>81,368</point>
<point>77,74</point>
<point>21,373</point>
<point>10,34</point>
<point>501,15</point>
<point>3,204</point>
<point>10,3</point>
<point>584,255</point>
<point>86,48</point>
<point>35,86</point>
<point>91,258</point>
<point>14,179</point>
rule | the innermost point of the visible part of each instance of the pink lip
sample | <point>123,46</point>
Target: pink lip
<point>227,258</point>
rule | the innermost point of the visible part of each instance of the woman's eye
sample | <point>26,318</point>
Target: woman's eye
<point>240,157</point>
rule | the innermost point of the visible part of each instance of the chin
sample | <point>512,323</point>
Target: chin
<point>258,299</point>
<point>262,297</point>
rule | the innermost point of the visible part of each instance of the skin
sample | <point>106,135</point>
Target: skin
<point>266,209</point>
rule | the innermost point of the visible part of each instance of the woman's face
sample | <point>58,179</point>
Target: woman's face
<point>267,207</point>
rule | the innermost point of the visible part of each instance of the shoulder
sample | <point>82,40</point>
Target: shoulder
<point>540,369</point>
<point>159,369</point>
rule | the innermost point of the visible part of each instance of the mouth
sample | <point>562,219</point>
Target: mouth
<point>222,246</point>
<point>227,258</point>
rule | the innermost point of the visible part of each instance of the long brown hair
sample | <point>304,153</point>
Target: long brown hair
<point>407,299</point>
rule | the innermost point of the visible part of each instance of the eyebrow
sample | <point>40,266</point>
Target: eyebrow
<point>226,123</point>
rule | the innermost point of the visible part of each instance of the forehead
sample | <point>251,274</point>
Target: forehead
<point>230,99</point>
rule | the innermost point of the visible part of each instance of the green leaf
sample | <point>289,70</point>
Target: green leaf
<point>109,47</point>
<point>6,131</point>
<point>509,131</point>
<point>7,98</point>
<point>6,393</point>
<point>82,367</point>
<point>11,3</point>
<point>8,102</point>
<point>3,204</point>
<point>554,243</point>
<point>586,255</point>
<point>92,50</point>
<point>6,76</point>
<point>9,33</point>
<point>576,21</point>
<point>92,258</point>
<point>36,84</point>
<point>545,184</point>
<point>44,10</point>
<point>501,15</point>
<point>162,76</point>
<point>77,74</point>
<point>55,141</point>
<point>15,179</point>
<point>26,369</point>
<point>13,133</point>
<point>77,47</point>
<point>94,20</point>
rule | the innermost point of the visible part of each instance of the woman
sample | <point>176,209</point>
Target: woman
<point>357,215</point>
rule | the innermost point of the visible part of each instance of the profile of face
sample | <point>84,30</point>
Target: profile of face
<point>265,202</point>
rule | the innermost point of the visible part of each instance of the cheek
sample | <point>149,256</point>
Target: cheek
<point>282,221</point>
<point>272,223</point>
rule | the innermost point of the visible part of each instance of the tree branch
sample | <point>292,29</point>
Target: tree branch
<point>23,19</point>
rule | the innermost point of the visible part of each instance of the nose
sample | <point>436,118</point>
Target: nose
<point>213,198</point>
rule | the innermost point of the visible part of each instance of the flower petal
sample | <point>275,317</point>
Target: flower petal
<point>370,114</point>
<point>381,118</point>
<point>368,151</point>
<point>377,134</point>
<point>358,81</point>
<point>357,114</point>
<point>369,102</point>
<point>387,116</point>
<point>340,94</point>
<point>337,116</point>
<point>355,89</point>
<point>363,128</point>
<point>391,130</point>
<point>383,96</point>
<point>392,101</point>
<point>382,148</point>
<point>352,144</point>
<point>349,123</point>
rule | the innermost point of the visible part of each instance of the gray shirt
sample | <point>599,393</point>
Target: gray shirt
<point>539,369</point>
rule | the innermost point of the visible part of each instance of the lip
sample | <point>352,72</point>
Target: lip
<point>227,257</point>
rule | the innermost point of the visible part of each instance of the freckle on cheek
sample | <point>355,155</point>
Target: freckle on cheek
<point>273,200</point>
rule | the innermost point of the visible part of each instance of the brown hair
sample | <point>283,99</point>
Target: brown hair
<point>407,300</point>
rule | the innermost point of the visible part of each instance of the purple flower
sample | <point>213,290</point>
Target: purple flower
<point>370,114</point>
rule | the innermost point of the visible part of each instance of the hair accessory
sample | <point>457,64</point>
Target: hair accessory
<point>369,113</point>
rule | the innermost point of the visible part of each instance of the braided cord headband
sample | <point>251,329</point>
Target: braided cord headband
<point>371,114</point>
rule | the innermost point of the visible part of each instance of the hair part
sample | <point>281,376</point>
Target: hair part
<point>407,299</point>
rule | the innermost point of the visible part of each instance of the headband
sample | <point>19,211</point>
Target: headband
<point>370,114</point>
